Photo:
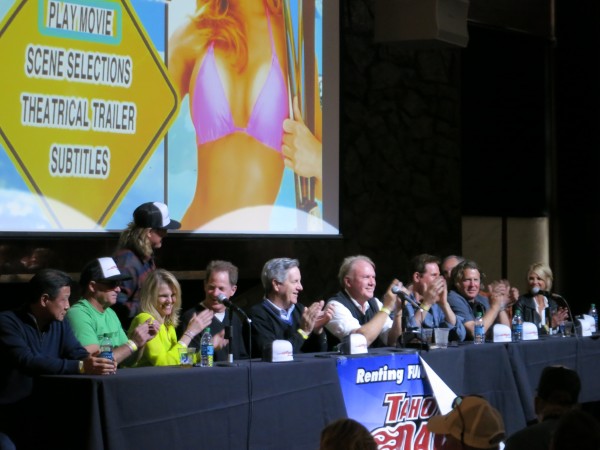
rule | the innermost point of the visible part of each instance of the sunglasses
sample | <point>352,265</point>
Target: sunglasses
<point>110,285</point>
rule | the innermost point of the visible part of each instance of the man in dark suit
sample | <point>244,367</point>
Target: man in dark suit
<point>281,317</point>
<point>220,281</point>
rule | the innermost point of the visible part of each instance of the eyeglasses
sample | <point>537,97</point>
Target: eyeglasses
<point>110,285</point>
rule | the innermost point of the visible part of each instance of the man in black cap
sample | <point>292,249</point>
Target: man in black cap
<point>557,393</point>
<point>92,316</point>
<point>135,254</point>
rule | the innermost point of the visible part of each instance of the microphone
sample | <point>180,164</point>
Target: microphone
<point>536,290</point>
<point>397,290</point>
<point>222,298</point>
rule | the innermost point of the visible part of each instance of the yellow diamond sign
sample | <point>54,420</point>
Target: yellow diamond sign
<point>85,101</point>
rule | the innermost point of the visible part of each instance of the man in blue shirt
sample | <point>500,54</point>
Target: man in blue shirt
<point>465,299</point>
<point>36,340</point>
<point>428,305</point>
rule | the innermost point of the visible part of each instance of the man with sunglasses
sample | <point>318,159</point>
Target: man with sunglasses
<point>135,254</point>
<point>472,424</point>
<point>92,316</point>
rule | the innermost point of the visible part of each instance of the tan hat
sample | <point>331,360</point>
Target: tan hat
<point>480,425</point>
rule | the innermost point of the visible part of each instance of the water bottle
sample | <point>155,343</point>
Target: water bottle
<point>106,347</point>
<point>517,326</point>
<point>207,350</point>
<point>561,328</point>
<point>479,329</point>
<point>594,314</point>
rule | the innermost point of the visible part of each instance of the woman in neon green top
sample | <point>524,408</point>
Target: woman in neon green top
<point>160,301</point>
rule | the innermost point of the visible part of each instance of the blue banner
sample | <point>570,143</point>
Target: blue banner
<point>390,396</point>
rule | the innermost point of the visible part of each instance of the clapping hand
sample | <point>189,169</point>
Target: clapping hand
<point>200,321</point>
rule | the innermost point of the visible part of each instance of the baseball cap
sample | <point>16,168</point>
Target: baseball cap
<point>473,421</point>
<point>101,270</point>
<point>559,384</point>
<point>154,215</point>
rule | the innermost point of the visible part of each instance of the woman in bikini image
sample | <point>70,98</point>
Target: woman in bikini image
<point>230,58</point>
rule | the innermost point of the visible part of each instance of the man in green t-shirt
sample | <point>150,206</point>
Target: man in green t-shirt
<point>92,316</point>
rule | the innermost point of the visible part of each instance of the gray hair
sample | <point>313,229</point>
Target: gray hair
<point>348,265</point>
<point>276,269</point>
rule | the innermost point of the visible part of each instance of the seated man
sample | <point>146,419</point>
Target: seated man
<point>557,393</point>
<point>449,263</point>
<point>428,305</point>
<point>465,299</point>
<point>34,340</point>
<point>220,279</point>
<point>280,316</point>
<point>92,316</point>
<point>358,311</point>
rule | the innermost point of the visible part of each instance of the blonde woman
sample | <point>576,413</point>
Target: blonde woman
<point>161,304</point>
<point>535,306</point>
<point>230,58</point>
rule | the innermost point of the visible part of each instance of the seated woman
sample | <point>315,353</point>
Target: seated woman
<point>535,306</point>
<point>160,301</point>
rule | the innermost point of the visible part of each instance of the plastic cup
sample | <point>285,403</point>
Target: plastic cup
<point>441,337</point>
<point>426,334</point>
<point>568,329</point>
<point>187,356</point>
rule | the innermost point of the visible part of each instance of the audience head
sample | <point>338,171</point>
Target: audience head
<point>145,233</point>
<point>540,275</point>
<point>449,263</point>
<point>160,297</point>
<point>357,277</point>
<point>346,434</point>
<point>281,281</point>
<point>558,390</point>
<point>48,294</point>
<point>576,429</point>
<point>221,278</point>
<point>467,279</point>
<point>472,424</point>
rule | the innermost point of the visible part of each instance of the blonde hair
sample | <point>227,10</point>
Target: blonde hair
<point>219,21</point>
<point>149,295</point>
<point>136,239</point>
<point>543,271</point>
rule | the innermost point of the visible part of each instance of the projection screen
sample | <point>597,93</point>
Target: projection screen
<point>226,111</point>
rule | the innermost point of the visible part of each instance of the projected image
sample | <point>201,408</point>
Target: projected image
<point>221,109</point>
<point>250,127</point>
